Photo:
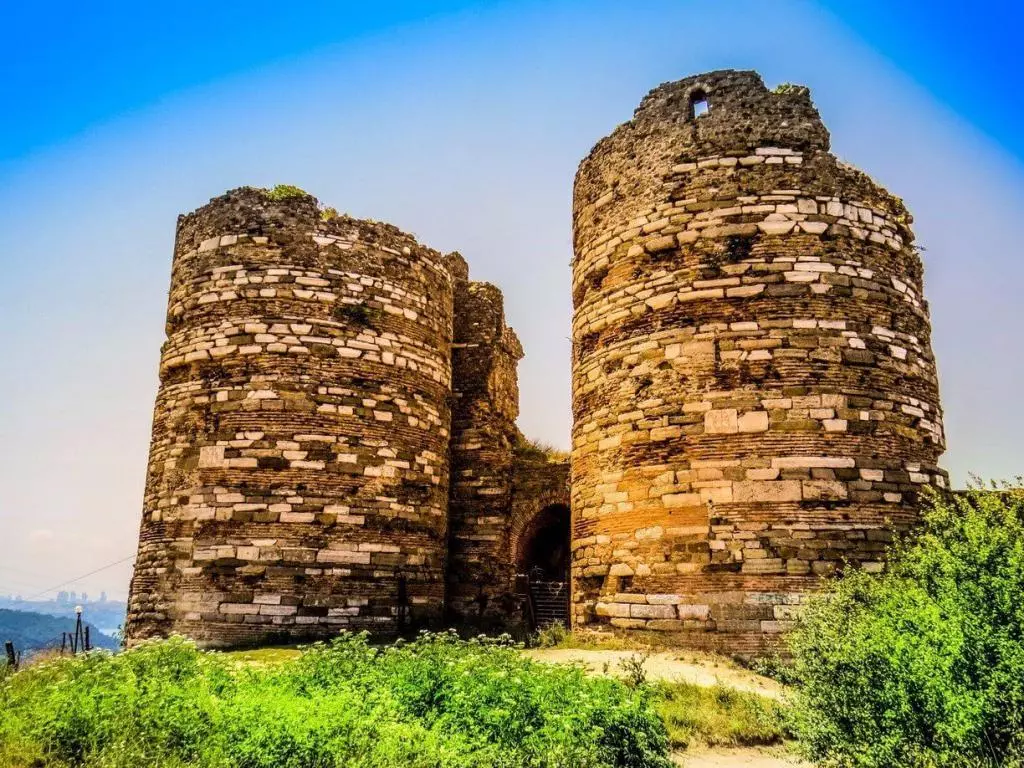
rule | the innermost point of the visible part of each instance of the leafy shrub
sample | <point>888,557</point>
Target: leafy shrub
<point>786,88</point>
<point>528,449</point>
<point>770,665</point>
<point>438,701</point>
<point>923,665</point>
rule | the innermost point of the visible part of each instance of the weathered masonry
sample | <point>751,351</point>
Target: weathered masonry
<point>299,470</point>
<point>755,401</point>
<point>754,392</point>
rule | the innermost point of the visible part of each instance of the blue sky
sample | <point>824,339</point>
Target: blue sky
<point>68,66</point>
<point>462,122</point>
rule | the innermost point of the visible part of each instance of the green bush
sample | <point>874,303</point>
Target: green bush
<point>438,701</point>
<point>924,664</point>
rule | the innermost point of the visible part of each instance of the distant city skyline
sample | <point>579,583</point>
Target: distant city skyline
<point>462,122</point>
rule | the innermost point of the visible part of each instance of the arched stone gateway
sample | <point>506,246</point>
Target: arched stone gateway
<point>542,565</point>
<point>539,545</point>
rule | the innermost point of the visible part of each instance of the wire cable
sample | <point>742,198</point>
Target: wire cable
<point>79,578</point>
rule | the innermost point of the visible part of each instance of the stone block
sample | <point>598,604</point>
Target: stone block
<point>721,422</point>
<point>639,611</point>
<point>612,609</point>
<point>753,421</point>
<point>757,491</point>
<point>694,612</point>
<point>655,599</point>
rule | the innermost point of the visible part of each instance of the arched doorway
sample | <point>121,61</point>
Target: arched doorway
<point>542,558</point>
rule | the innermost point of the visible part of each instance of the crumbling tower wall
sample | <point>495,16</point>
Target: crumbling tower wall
<point>485,391</point>
<point>754,391</point>
<point>298,473</point>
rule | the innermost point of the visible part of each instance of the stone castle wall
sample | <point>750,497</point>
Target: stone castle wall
<point>755,400</point>
<point>485,406</point>
<point>298,472</point>
<point>754,392</point>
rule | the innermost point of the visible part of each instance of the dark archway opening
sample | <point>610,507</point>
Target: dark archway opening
<point>544,547</point>
<point>543,561</point>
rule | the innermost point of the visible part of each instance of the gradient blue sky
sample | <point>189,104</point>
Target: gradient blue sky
<point>462,122</point>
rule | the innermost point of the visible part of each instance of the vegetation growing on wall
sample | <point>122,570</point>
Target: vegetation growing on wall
<point>285,191</point>
<point>536,450</point>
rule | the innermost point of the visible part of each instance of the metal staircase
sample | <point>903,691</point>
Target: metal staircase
<point>550,601</point>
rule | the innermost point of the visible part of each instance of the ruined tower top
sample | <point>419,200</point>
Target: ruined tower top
<point>728,115</point>
<point>724,111</point>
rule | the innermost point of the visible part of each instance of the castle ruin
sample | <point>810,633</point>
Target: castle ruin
<point>334,434</point>
<point>755,401</point>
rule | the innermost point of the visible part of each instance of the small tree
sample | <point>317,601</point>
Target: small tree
<point>923,665</point>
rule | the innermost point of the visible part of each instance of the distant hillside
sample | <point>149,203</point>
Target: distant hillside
<point>107,614</point>
<point>35,631</point>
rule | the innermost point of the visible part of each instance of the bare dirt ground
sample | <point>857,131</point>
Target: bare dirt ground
<point>667,665</point>
<point>737,758</point>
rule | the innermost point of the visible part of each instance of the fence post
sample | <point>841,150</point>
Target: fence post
<point>78,630</point>
<point>87,638</point>
<point>12,657</point>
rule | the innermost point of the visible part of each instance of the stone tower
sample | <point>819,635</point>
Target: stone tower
<point>298,470</point>
<point>754,392</point>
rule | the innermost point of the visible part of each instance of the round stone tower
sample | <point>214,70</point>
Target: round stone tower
<point>754,393</point>
<point>298,473</point>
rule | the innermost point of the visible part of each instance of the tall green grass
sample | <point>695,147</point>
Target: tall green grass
<point>436,702</point>
<point>719,716</point>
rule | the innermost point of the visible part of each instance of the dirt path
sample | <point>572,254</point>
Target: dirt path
<point>737,758</point>
<point>664,665</point>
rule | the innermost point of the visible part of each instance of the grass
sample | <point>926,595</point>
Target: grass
<point>557,636</point>
<point>265,655</point>
<point>694,715</point>
<point>643,641</point>
<point>718,716</point>
<point>285,191</point>
<point>539,451</point>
